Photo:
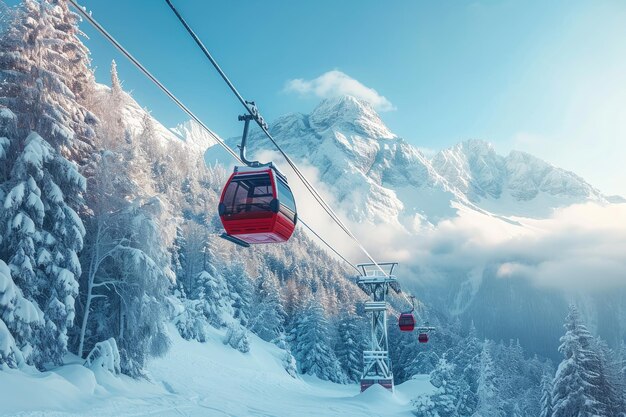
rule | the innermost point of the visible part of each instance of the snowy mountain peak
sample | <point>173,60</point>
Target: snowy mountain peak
<point>476,147</point>
<point>379,177</point>
<point>347,113</point>
<point>477,170</point>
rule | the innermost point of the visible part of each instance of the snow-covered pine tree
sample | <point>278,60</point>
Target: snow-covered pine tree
<point>112,132</point>
<point>6,14</point>
<point>146,279</point>
<point>196,250</point>
<point>515,385</point>
<point>189,319</point>
<point>609,383</point>
<point>311,345</point>
<point>109,195</point>
<point>241,291</point>
<point>292,297</point>
<point>445,401</point>
<point>237,337</point>
<point>128,276</point>
<point>8,127</point>
<point>535,370</point>
<point>351,341</point>
<point>574,387</point>
<point>42,239</point>
<point>489,402</point>
<point>178,256</point>
<point>19,319</point>
<point>268,317</point>
<point>211,290</point>
<point>469,358</point>
<point>621,371</point>
<point>546,396</point>
<point>117,93</point>
<point>465,355</point>
<point>46,77</point>
<point>140,164</point>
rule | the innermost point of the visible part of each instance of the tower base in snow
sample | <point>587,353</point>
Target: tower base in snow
<point>386,383</point>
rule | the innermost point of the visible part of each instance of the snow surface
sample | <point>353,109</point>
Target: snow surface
<point>199,379</point>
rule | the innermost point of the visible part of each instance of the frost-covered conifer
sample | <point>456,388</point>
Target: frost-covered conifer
<point>546,396</point>
<point>489,402</point>
<point>469,358</point>
<point>19,320</point>
<point>237,337</point>
<point>351,343</point>
<point>445,401</point>
<point>8,127</point>
<point>47,76</point>
<point>241,291</point>
<point>46,81</point>
<point>621,370</point>
<point>117,93</point>
<point>147,279</point>
<point>268,317</point>
<point>43,237</point>
<point>516,386</point>
<point>574,391</point>
<point>311,345</point>
<point>212,292</point>
<point>189,319</point>
<point>610,392</point>
<point>178,256</point>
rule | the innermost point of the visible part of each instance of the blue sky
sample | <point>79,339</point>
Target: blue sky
<point>547,77</point>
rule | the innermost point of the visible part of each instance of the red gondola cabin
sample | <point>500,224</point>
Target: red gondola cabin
<point>406,321</point>
<point>422,338</point>
<point>257,206</point>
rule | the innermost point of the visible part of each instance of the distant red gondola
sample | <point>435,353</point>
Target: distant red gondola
<point>406,321</point>
<point>422,338</point>
<point>257,206</point>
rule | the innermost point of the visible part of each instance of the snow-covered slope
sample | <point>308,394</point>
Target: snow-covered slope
<point>200,379</point>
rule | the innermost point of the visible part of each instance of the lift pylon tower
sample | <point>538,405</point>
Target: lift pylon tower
<point>376,284</point>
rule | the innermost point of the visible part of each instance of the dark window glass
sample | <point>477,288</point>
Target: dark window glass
<point>286,199</point>
<point>248,194</point>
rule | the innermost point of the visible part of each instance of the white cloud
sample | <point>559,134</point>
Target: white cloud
<point>580,247</point>
<point>336,83</point>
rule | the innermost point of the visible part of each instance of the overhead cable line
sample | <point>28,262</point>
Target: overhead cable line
<point>329,246</point>
<point>259,121</point>
<point>327,208</point>
<point>182,106</point>
<point>148,74</point>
